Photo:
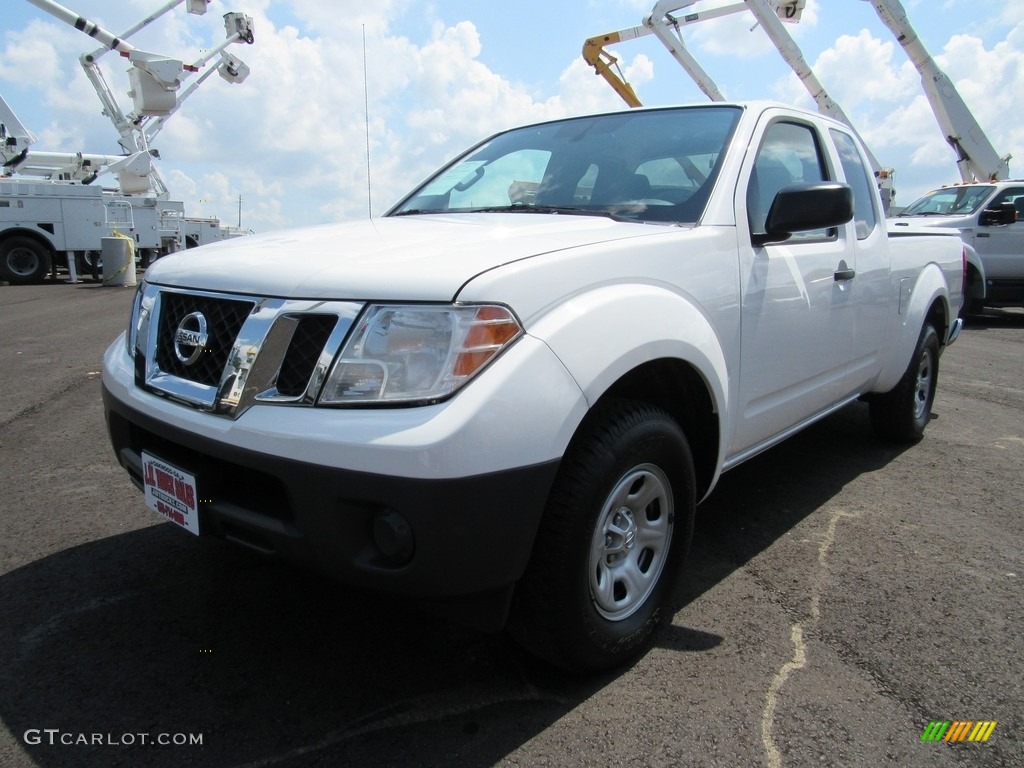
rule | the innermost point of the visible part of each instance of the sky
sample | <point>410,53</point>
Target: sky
<point>291,141</point>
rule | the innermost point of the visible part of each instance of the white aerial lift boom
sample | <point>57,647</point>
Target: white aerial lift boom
<point>154,82</point>
<point>666,24</point>
<point>976,158</point>
<point>52,216</point>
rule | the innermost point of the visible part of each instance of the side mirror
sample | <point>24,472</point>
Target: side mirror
<point>802,207</point>
<point>1004,213</point>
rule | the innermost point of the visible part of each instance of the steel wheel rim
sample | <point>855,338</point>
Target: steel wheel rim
<point>923,386</point>
<point>631,542</point>
<point>22,261</point>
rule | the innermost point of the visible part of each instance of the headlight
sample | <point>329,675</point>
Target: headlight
<point>411,353</point>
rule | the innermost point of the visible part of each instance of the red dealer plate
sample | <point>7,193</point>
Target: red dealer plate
<point>170,492</point>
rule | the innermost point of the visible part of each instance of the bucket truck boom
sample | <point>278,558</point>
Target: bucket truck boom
<point>154,81</point>
<point>57,219</point>
<point>664,23</point>
<point>976,158</point>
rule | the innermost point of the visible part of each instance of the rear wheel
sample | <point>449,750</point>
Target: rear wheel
<point>614,535</point>
<point>902,414</point>
<point>23,261</point>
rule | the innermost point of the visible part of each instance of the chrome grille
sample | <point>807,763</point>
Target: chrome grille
<point>224,319</point>
<point>256,349</point>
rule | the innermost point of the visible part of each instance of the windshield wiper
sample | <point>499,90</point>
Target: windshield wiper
<point>418,211</point>
<point>924,213</point>
<point>520,208</point>
<point>559,209</point>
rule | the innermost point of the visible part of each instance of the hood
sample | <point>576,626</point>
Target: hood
<point>406,258</point>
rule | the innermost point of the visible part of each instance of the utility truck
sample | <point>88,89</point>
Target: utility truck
<point>990,219</point>
<point>54,209</point>
<point>506,396</point>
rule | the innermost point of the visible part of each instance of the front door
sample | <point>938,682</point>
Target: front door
<point>797,321</point>
<point>1002,246</point>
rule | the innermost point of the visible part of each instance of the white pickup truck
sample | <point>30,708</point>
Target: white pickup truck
<point>508,394</point>
<point>990,218</point>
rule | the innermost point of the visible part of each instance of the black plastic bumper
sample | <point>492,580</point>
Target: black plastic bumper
<point>426,539</point>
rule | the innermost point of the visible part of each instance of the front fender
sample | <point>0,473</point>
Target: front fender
<point>978,289</point>
<point>605,333</point>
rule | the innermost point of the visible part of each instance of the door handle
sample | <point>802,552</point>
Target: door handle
<point>845,274</point>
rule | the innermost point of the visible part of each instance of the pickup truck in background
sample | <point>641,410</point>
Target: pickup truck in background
<point>990,219</point>
<point>506,396</point>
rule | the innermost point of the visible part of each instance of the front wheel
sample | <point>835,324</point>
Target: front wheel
<point>902,414</point>
<point>613,537</point>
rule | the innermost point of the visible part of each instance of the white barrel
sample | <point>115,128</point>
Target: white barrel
<point>118,261</point>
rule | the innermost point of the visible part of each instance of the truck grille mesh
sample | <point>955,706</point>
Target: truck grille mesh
<point>224,318</point>
<point>308,342</point>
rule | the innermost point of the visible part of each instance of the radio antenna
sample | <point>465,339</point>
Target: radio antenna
<point>366,111</point>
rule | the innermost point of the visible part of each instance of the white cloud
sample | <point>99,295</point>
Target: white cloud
<point>292,139</point>
<point>881,91</point>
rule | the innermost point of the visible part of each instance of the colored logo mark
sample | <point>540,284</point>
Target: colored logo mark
<point>958,730</point>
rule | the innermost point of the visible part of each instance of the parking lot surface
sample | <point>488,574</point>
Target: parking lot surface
<point>841,595</point>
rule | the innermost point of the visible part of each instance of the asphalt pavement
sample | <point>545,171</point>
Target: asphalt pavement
<point>841,595</point>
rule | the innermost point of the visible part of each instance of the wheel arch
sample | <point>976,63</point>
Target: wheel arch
<point>678,388</point>
<point>975,274</point>
<point>939,318</point>
<point>32,234</point>
<point>928,303</point>
<point>649,344</point>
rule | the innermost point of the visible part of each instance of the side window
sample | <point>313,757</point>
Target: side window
<point>1013,195</point>
<point>789,154</point>
<point>862,182</point>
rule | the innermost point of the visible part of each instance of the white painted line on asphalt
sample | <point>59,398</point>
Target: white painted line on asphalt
<point>799,660</point>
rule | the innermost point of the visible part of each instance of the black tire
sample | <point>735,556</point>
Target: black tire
<point>23,261</point>
<point>94,261</point>
<point>601,573</point>
<point>902,414</point>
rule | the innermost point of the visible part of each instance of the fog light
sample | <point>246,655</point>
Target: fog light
<point>393,537</point>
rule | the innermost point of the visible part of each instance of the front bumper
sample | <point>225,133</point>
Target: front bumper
<point>417,537</point>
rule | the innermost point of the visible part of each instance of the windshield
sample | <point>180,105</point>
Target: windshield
<point>657,165</point>
<point>950,201</point>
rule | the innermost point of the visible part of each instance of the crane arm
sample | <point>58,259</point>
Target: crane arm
<point>666,25</point>
<point>607,66</point>
<point>663,25</point>
<point>15,138</point>
<point>977,159</point>
<point>668,29</point>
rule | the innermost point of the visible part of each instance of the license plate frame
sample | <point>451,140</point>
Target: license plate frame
<point>171,492</point>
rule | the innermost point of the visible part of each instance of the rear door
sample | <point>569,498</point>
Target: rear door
<point>868,288</point>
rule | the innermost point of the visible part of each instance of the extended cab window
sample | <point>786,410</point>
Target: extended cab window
<point>862,182</point>
<point>789,154</point>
